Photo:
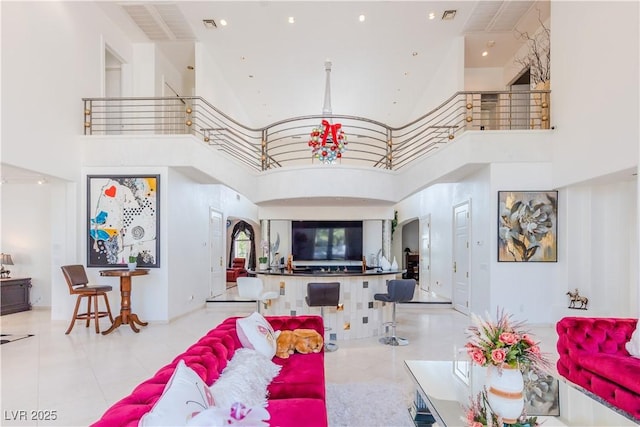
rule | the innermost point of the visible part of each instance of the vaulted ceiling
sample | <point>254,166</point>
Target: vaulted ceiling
<point>381,66</point>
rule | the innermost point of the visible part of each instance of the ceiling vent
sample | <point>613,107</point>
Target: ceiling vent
<point>209,24</point>
<point>448,15</point>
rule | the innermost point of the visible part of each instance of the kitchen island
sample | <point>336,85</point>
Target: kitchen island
<point>358,315</point>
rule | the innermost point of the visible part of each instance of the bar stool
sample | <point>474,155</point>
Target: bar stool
<point>78,283</point>
<point>398,290</point>
<point>324,295</point>
<point>252,288</point>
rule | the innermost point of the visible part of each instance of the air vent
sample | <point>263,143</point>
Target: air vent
<point>448,15</point>
<point>210,24</point>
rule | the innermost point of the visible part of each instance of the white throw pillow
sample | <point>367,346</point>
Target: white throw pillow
<point>244,380</point>
<point>257,334</point>
<point>238,414</point>
<point>184,396</point>
<point>633,346</point>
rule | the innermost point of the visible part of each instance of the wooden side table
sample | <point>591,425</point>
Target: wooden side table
<point>14,296</point>
<point>126,317</point>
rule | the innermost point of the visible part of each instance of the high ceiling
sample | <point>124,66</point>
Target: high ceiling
<point>381,66</point>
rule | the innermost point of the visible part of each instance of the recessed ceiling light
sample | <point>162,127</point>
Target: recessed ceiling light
<point>414,53</point>
<point>485,53</point>
<point>361,18</point>
<point>292,20</point>
<point>432,15</point>
<point>448,15</point>
<point>223,22</point>
<point>250,76</point>
<point>491,43</point>
<point>189,67</point>
<point>209,24</point>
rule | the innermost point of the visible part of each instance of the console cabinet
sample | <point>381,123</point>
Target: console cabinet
<point>15,295</point>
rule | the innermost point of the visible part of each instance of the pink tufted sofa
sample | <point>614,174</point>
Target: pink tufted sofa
<point>593,356</point>
<point>296,394</point>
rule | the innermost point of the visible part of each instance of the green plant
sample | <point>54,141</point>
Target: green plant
<point>262,260</point>
<point>133,258</point>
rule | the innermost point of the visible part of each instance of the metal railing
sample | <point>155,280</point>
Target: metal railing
<point>286,143</point>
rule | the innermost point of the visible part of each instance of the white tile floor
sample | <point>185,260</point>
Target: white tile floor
<point>80,375</point>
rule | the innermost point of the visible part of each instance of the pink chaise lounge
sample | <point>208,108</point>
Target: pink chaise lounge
<point>296,395</point>
<point>593,355</point>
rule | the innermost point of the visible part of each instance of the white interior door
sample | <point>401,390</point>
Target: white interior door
<point>425,253</point>
<point>217,279</point>
<point>461,256</point>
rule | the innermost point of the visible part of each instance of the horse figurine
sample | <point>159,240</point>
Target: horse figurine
<point>575,297</point>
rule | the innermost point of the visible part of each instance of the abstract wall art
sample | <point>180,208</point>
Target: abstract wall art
<point>123,220</point>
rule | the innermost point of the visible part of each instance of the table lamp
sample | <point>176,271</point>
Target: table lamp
<point>5,259</point>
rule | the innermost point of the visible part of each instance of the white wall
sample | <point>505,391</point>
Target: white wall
<point>524,289</point>
<point>26,226</point>
<point>57,61</point>
<point>484,79</point>
<point>599,241</point>
<point>210,85</point>
<point>595,88</point>
<point>448,79</point>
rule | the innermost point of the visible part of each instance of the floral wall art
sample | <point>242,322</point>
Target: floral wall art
<point>527,226</point>
<point>123,219</point>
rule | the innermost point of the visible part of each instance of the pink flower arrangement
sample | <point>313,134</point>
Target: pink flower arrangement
<point>502,343</point>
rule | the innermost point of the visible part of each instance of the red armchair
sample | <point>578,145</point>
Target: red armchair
<point>237,270</point>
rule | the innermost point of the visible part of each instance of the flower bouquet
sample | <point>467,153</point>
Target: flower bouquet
<point>503,343</point>
<point>505,349</point>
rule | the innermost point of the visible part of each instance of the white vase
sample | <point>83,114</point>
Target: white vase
<point>394,265</point>
<point>132,265</point>
<point>505,392</point>
<point>384,264</point>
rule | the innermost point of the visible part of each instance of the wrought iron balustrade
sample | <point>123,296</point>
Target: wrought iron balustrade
<point>285,143</point>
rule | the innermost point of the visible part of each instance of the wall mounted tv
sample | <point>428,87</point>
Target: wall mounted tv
<point>326,240</point>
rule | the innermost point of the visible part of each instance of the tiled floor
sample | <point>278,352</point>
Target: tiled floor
<point>80,375</point>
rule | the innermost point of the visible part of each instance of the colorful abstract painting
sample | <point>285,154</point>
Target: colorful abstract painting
<point>123,218</point>
<point>527,226</point>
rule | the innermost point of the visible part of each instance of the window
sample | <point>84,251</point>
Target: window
<point>242,245</point>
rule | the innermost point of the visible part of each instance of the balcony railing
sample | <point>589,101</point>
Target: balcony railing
<point>286,143</point>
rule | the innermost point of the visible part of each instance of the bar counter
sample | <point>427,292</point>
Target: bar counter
<point>358,314</point>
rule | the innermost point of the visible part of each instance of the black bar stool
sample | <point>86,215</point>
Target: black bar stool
<point>324,295</point>
<point>398,290</point>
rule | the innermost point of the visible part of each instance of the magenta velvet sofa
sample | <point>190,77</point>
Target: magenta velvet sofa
<point>593,355</point>
<point>296,394</point>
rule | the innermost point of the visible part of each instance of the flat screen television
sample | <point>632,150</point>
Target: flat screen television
<point>326,240</point>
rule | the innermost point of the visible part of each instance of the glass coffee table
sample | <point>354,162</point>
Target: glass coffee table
<point>444,388</point>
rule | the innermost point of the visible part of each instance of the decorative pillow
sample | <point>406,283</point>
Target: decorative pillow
<point>257,334</point>
<point>633,346</point>
<point>244,380</point>
<point>237,414</point>
<point>184,396</point>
